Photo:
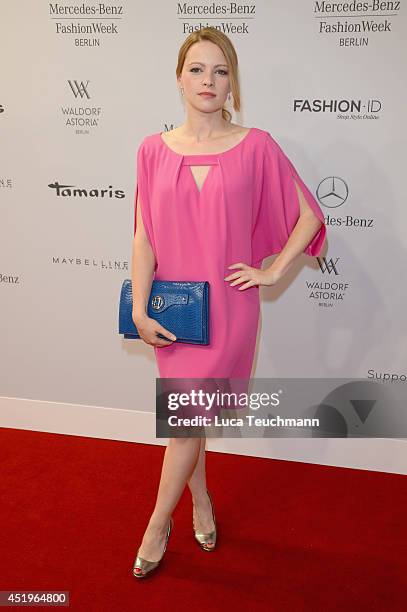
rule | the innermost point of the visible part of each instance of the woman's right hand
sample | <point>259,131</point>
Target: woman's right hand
<point>148,329</point>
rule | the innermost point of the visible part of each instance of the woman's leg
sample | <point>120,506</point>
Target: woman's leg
<point>201,504</point>
<point>180,459</point>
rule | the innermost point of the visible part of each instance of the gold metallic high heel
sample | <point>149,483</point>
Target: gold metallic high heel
<point>147,566</point>
<point>204,538</point>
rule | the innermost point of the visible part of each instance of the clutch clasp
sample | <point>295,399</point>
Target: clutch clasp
<point>157,302</point>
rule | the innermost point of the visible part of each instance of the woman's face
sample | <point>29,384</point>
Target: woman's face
<point>205,69</point>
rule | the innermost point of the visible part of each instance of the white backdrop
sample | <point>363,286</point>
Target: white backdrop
<point>82,84</point>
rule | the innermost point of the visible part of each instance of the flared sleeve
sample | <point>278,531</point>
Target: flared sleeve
<point>143,182</point>
<point>278,207</point>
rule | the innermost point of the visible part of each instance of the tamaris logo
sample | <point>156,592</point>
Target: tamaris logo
<point>71,191</point>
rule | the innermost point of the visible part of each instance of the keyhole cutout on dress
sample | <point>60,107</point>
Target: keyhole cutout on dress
<point>200,174</point>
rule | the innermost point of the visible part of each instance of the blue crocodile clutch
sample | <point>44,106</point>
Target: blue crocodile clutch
<point>182,307</point>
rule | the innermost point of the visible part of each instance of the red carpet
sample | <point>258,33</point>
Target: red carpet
<point>292,537</point>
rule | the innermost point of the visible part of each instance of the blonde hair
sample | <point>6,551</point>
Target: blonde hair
<point>226,46</point>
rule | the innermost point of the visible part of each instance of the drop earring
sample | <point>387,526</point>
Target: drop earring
<point>182,91</point>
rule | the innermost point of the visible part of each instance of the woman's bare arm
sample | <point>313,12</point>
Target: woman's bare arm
<point>304,231</point>
<point>142,273</point>
<point>142,268</point>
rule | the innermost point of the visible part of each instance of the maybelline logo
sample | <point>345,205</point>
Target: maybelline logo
<point>78,262</point>
<point>330,291</point>
<point>86,23</point>
<point>345,109</point>
<point>5,183</point>
<point>81,117</point>
<point>71,191</point>
<point>332,192</point>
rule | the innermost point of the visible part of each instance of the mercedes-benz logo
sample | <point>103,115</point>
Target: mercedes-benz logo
<point>332,192</point>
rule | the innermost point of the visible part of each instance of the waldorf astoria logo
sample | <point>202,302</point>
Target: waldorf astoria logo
<point>6,182</point>
<point>328,265</point>
<point>72,191</point>
<point>83,117</point>
<point>329,291</point>
<point>79,88</point>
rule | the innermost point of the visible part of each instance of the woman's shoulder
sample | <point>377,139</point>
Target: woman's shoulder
<point>265,136</point>
<point>270,144</point>
<point>262,135</point>
<point>262,147</point>
<point>147,147</point>
<point>262,142</point>
<point>150,139</point>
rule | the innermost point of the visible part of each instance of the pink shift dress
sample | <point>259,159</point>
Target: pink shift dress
<point>245,211</point>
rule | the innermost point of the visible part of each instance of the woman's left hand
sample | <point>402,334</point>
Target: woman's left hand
<point>252,276</point>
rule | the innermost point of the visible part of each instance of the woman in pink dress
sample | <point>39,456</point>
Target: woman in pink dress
<point>213,199</point>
